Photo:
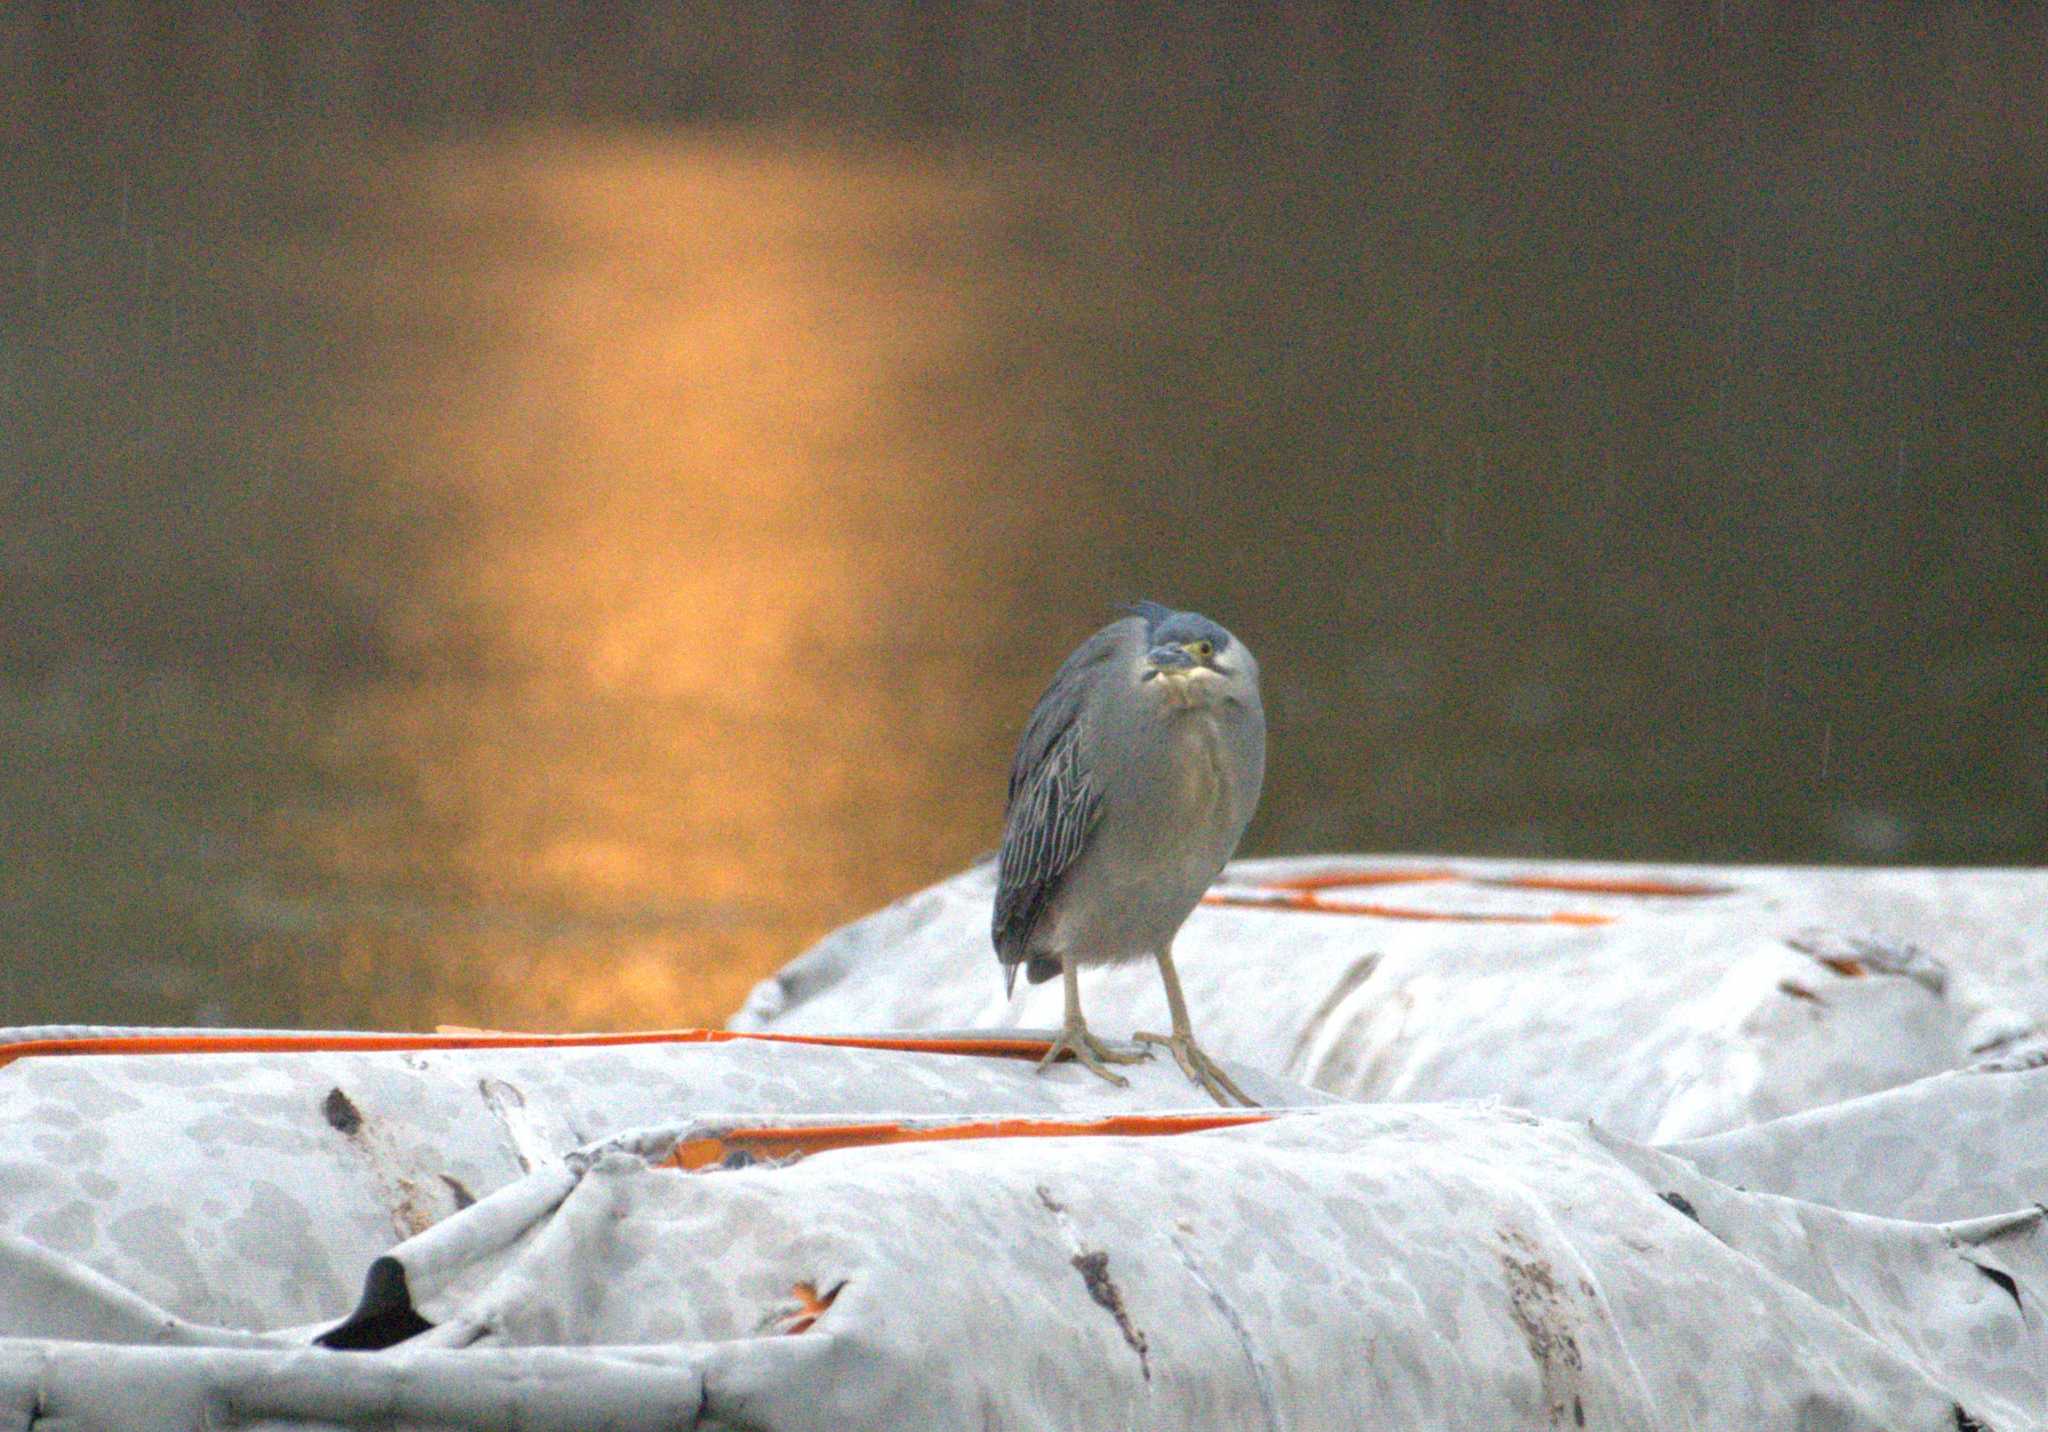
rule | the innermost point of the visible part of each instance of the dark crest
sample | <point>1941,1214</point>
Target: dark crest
<point>1164,624</point>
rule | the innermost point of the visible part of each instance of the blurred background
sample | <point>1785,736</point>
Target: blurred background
<point>528,515</point>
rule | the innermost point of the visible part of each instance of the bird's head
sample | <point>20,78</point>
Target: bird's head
<point>1188,652</point>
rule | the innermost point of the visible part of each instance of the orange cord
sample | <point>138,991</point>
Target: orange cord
<point>993,1047</point>
<point>771,1141</point>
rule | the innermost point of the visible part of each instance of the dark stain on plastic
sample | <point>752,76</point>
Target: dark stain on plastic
<point>1966,1423</point>
<point>2003,1279</point>
<point>1683,1204</point>
<point>1543,1313</point>
<point>1800,991</point>
<point>1093,1266</point>
<point>463,1197</point>
<point>1094,1270</point>
<point>341,1112</point>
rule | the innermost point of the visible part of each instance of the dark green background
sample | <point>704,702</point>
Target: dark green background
<point>530,514</point>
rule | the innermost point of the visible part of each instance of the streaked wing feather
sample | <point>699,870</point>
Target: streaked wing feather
<point>1047,830</point>
<point>1053,802</point>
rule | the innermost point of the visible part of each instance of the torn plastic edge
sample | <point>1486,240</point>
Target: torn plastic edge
<point>1855,956</point>
<point>785,1142</point>
<point>811,1306</point>
<point>996,1048</point>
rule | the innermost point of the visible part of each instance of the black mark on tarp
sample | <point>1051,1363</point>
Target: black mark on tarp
<point>463,1197</point>
<point>1094,1270</point>
<point>1543,1312</point>
<point>1093,1266</point>
<point>2003,1279</point>
<point>384,1318</point>
<point>1683,1204</point>
<point>340,1111</point>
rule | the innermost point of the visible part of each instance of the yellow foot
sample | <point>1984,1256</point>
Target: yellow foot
<point>1200,1068</point>
<point>1091,1053</point>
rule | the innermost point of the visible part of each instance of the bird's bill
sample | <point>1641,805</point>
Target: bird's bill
<point>1169,661</point>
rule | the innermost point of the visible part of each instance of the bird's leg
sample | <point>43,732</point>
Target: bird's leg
<point>1188,1054</point>
<point>1088,1051</point>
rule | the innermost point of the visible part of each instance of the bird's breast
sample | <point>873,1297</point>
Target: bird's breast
<point>1199,774</point>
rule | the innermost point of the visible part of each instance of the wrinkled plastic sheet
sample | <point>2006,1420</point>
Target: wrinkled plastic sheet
<point>1961,1145</point>
<point>1429,1267</point>
<point>1665,1002</point>
<point>251,1189</point>
<point>1843,1231</point>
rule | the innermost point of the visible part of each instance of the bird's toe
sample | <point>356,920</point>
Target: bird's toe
<point>1090,1053</point>
<point>1201,1069</point>
<point>1101,1070</point>
<point>1110,1054</point>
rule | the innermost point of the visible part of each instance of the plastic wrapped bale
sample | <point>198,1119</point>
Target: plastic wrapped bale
<point>244,1181</point>
<point>1666,1002</point>
<point>1424,1267</point>
<point>1959,1145</point>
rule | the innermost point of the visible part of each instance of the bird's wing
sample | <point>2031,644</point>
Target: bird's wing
<point>1049,824</point>
<point>1053,798</point>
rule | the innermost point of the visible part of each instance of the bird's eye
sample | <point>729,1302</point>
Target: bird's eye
<point>1203,649</point>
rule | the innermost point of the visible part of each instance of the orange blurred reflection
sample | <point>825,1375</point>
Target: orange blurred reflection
<point>662,398</point>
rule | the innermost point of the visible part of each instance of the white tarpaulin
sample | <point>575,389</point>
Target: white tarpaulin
<point>924,1232</point>
<point>1954,1146</point>
<point>1419,1267</point>
<point>251,1189</point>
<point>1665,1002</point>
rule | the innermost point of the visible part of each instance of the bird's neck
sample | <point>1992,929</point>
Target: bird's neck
<point>1187,694</point>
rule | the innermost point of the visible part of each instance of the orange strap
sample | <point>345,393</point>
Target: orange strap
<point>1310,900</point>
<point>1428,875</point>
<point>787,1141</point>
<point>1596,885</point>
<point>1305,892</point>
<point>1346,879</point>
<point>992,1047</point>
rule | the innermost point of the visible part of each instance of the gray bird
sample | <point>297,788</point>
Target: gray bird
<point>1138,771</point>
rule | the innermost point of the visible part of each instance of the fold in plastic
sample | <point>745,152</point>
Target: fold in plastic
<point>1835,1230</point>
<point>1428,1267</point>
<point>1666,1002</point>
